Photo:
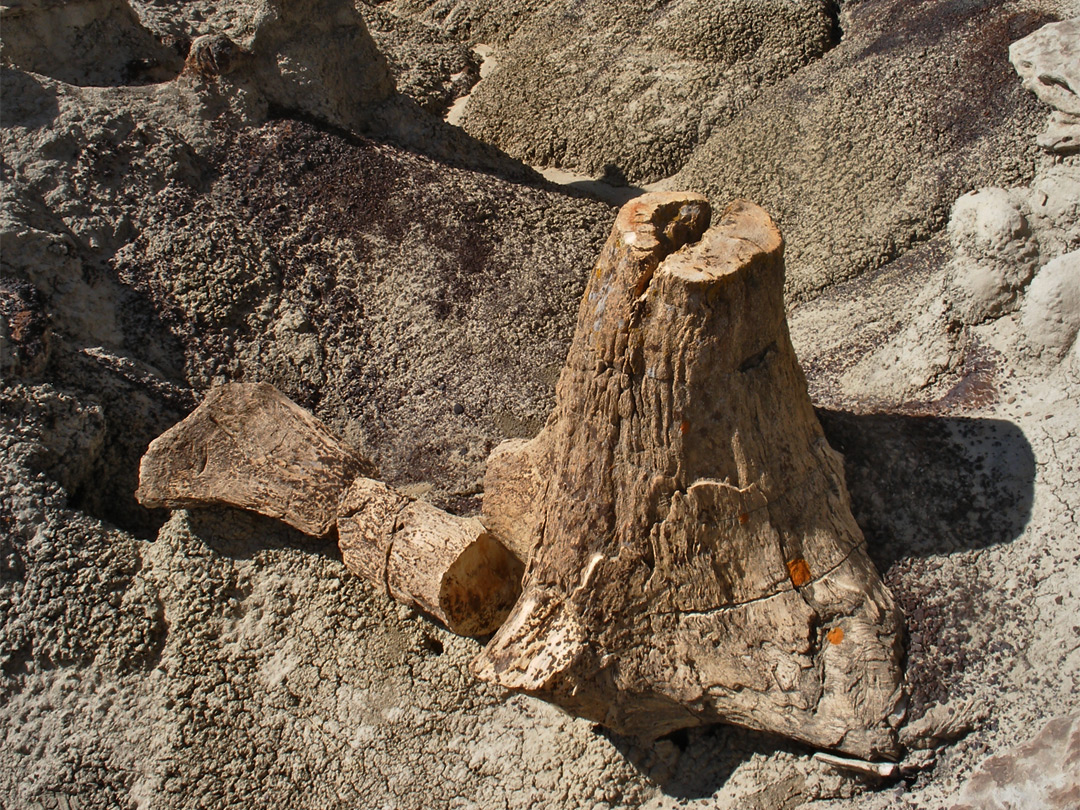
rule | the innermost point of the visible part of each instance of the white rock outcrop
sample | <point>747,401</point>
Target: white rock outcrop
<point>1050,316</point>
<point>1049,63</point>
<point>995,254</point>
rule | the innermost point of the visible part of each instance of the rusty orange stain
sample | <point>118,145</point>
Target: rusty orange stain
<point>684,428</point>
<point>799,572</point>
<point>836,635</point>
<point>744,518</point>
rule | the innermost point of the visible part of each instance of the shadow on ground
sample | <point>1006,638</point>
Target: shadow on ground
<point>926,485</point>
<point>927,491</point>
<point>242,535</point>
<point>696,763</point>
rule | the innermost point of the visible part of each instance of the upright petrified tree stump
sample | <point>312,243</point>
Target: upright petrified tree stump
<point>692,553</point>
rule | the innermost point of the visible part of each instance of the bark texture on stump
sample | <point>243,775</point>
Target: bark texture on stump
<point>692,553</point>
<point>247,445</point>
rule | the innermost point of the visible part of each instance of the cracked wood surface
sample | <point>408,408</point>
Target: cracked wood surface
<point>448,566</point>
<point>248,445</point>
<point>692,556</point>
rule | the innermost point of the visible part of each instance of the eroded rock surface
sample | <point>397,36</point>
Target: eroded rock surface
<point>1010,283</point>
<point>1041,772</point>
<point>1048,60</point>
<point>85,42</point>
<point>629,90</point>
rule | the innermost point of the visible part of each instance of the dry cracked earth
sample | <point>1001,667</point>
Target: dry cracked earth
<point>203,192</point>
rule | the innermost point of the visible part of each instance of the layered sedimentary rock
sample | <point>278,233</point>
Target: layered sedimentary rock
<point>692,553</point>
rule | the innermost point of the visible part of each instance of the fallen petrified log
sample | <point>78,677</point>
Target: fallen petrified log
<point>692,556</point>
<point>249,446</point>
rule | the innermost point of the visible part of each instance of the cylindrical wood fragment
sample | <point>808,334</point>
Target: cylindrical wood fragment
<point>453,568</point>
<point>448,566</point>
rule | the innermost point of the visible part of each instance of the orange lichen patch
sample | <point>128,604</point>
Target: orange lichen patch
<point>836,635</point>
<point>799,572</point>
<point>744,518</point>
<point>684,427</point>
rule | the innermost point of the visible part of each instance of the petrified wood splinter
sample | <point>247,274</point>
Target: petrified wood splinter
<point>249,446</point>
<point>692,556</point>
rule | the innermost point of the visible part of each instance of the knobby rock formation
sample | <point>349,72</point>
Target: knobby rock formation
<point>692,556</point>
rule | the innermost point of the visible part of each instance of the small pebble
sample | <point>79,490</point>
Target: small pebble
<point>459,409</point>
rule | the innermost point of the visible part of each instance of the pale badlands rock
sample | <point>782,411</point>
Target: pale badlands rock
<point>1049,63</point>
<point>472,21</point>
<point>860,155</point>
<point>1053,206</point>
<point>1043,772</point>
<point>1062,133</point>
<point>995,254</point>
<point>1000,240</point>
<point>1050,316</point>
<point>429,65</point>
<point>316,57</point>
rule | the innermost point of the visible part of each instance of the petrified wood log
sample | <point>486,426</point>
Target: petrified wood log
<point>448,566</point>
<point>247,445</point>
<point>692,556</point>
